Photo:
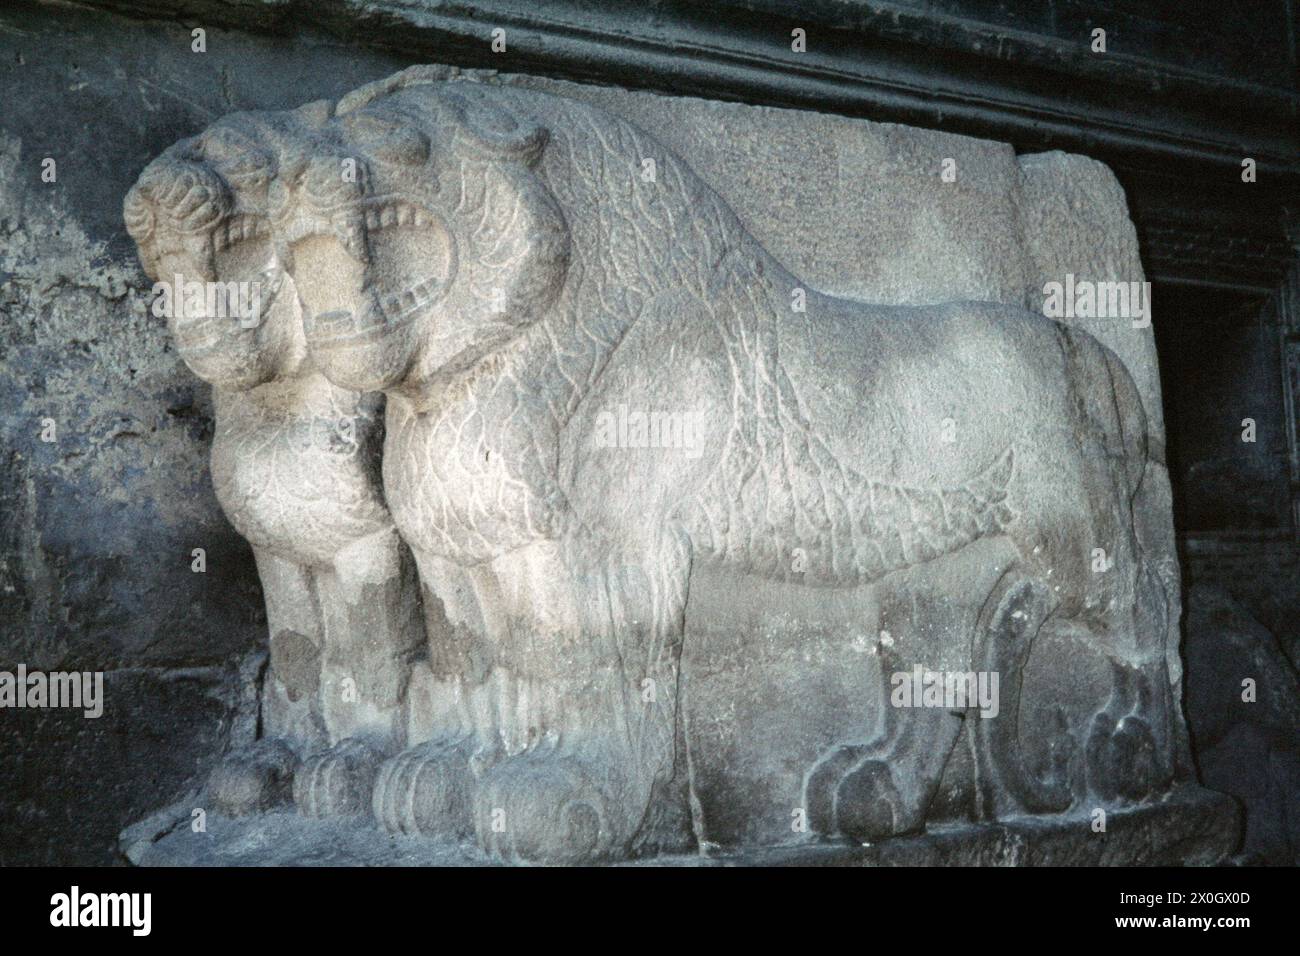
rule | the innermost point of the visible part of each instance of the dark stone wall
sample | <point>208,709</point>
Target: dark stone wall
<point>1183,92</point>
<point>1250,41</point>
<point>1221,364</point>
<point>97,526</point>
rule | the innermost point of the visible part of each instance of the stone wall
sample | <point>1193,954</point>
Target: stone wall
<point>98,526</point>
<point>1241,564</point>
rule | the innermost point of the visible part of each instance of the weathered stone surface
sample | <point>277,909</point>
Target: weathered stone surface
<point>159,732</point>
<point>295,465</point>
<point>97,531</point>
<point>254,778</point>
<point>862,210</point>
<point>1191,827</point>
<point>1245,734</point>
<point>98,526</point>
<point>966,489</point>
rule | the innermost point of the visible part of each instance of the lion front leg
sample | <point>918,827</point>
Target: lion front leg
<point>370,604</point>
<point>426,789</point>
<point>590,643</point>
<point>259,774</point>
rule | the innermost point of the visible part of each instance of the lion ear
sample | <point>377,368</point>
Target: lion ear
<point>423,75</point>
<point>520,247</point>
<point>520,240</point>
<point>483,118</point>
<point>178,199</point>
<point>480,113</point>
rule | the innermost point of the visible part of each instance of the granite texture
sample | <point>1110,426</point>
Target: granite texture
<point>641,642</point>
<point>97,528</point>
<point>1192,827</point>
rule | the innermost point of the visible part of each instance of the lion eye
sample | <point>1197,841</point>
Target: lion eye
<point>390,138</point>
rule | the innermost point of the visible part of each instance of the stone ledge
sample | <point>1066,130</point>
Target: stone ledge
<point>1138,112</point>
<point>1192,826</point>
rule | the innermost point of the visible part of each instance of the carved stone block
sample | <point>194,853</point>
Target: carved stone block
<point>708,555</point>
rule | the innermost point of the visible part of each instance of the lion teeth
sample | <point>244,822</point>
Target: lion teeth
<point>396,214</point>
<point>398,306</point>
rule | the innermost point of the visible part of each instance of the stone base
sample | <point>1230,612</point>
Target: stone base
<point>1192,827</point>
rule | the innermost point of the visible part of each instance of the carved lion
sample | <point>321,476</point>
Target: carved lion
<point>601,408</point>
<point>295,467</point>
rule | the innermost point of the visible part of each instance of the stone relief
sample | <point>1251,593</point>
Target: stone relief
<point>608,438</point>
<point>295,464</point>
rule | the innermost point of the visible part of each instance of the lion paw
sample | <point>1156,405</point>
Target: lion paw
<point>534,808</point>
<point>338,782</point>
<point>425,791</point>
<point>254,778</point>
<point>869,805</point>
<point>856,796</point>
<point>1122,759</point>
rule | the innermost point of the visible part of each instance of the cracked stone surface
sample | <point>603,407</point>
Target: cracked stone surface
<point>663,522</point>
<point>98,526</point>
<point>1191,827</point>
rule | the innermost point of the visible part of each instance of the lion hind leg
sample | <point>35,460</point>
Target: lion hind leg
<point>883,787</point>
<point>1012,617</point>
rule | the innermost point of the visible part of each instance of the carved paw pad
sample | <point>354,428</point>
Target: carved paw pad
<point>868,805</point>
<point>425,791</point>
<point>534,809</point>
<point>823,787</point>
<point>254,778</point>
<point>1122,758</point>
<point>338,782</point>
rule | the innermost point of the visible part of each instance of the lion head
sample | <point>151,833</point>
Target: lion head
<point>417,231</point>
<point>198,215</point>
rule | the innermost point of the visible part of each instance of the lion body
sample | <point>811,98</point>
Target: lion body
<point>839,447</point>
<point>873,438</point>
<point>499,267</point>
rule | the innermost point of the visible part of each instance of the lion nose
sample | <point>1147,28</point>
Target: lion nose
<point>332,181</point>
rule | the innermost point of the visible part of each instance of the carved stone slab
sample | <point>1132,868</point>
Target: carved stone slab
<point>749,505</point>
